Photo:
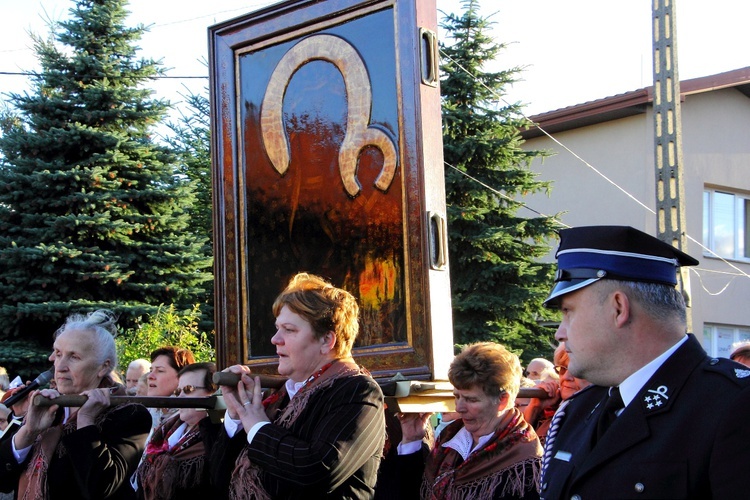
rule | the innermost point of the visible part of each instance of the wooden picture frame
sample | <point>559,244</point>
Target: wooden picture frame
<point>327,158</point>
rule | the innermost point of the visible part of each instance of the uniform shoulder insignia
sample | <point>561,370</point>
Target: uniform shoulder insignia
<point>729,369</point>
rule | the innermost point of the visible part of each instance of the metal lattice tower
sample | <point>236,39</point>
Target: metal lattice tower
<point>670,191</point>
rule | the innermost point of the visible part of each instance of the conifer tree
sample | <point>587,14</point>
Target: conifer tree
<point>497,282</point>
<point>191,141</point>
<point>91,211</point>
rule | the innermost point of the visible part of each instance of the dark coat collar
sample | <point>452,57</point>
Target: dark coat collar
<point>661,392</point>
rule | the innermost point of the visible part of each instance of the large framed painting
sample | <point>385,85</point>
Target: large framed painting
<point>327,158</point>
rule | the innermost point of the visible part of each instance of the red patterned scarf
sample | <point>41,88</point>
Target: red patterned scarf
<point>500,465</point>
<point>33,482</point>
<point>246,478</point>
<point>165,468</point>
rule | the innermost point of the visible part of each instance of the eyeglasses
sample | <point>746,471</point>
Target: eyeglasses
<point>188,390</point>
<point>561,370</point>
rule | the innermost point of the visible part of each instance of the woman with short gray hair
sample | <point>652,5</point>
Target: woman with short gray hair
<point>86,452</point>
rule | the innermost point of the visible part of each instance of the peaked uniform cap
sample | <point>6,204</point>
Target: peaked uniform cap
<point>590,253</point>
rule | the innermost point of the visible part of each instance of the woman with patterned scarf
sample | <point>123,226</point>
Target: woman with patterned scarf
<point>86,452</point>
<point>176,461</point>
<point>491,452</point>
<point>322,434</point>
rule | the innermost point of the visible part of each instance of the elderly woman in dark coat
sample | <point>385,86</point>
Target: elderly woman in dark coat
<point>86,452</point>
<point>491,452</point>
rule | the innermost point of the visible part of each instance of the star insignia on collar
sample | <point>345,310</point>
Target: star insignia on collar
<point>741,373</point>
<point>656,398</point>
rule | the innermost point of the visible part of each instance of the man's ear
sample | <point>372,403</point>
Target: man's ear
<point>621,308</point>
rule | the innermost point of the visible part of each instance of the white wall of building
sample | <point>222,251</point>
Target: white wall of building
<point>716,153</point>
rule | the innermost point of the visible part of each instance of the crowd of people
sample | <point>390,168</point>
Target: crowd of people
<point>634,406</point>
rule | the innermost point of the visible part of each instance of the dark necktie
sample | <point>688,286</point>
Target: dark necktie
<point>612,404</point>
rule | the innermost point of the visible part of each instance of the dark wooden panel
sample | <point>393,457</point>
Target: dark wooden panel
<point>319,138</point>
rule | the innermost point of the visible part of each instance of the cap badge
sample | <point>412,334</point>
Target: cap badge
<point>741,373</point>
<point>656,398</point>
<point>601,273</point>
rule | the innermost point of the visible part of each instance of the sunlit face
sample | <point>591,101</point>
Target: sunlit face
<point>77,368</point>
<point>535,369</point>
<point>142,387</point>
<point>569,384</point>
<point>196,379</point>
<point>481,413</point>
<point>162,379</point>
<point>133,374</point>
<point>300,353</point>
<point>589,342</point>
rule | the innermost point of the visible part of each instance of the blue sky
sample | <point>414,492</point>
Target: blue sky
<point>573,51</point>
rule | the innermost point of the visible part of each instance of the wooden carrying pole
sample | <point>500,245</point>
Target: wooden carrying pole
<point>391,388</point>
<point>232,379</point>
<point>208,403</point>
<point>403,395</point>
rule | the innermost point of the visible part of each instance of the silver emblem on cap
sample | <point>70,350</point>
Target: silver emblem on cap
<point>601,273</point>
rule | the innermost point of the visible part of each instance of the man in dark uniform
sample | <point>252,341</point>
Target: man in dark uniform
<point>664,419</point>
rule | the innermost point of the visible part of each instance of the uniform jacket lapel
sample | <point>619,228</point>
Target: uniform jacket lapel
<point>659,395</point>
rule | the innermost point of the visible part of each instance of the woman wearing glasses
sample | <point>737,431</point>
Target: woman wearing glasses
<point>176,463</point>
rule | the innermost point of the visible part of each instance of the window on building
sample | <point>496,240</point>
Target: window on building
<point>718,340</point>
<point>726,224</point>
